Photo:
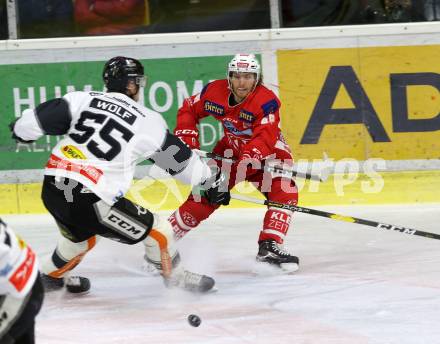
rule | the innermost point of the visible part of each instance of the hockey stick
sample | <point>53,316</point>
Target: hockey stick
<point>333,216</point>
<point>270,169</point>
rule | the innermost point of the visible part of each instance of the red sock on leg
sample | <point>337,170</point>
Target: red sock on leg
<point>275,225</point>
<point>189,216</point>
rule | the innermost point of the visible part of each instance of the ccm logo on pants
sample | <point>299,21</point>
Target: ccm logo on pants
<point>121,223</point>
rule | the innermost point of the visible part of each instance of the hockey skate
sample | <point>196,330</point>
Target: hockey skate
<point>73,284</point>
<point>190,281</point>
<point>271,252</point>
<point>180,278</point>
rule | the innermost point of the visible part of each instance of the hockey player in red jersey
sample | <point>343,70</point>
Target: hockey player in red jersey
<point>252,136</point>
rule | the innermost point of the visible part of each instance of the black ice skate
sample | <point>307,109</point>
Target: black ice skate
<point>271,252</point>
<point>73,284</point>
<point>190,281</point>
<point>77,285</point>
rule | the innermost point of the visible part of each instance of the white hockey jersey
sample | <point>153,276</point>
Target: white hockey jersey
<point>106,136</point>
<point>18,264</point>
<point>18,272</point>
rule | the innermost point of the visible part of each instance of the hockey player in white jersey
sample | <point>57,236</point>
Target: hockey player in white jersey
<point>21,291</point>
<point>91,168</point>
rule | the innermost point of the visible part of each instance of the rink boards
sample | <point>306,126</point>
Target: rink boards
<point>355,93</point>
<point>167,194</point>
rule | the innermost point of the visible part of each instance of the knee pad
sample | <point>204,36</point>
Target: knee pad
<point>66,256</point>
<point>124,221</point>
<point>160,246</point>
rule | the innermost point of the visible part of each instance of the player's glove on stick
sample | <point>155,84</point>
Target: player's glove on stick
<point>189,137</point>
<point>216,191</point>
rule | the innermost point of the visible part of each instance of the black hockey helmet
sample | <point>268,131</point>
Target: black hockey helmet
<point>119,70</point>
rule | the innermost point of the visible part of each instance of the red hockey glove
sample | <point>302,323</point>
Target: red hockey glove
<point>189,137</point>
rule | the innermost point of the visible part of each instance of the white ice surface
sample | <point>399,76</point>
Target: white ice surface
<point>356,284</point>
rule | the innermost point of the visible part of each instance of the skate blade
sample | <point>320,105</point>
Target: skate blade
<point>175,288</point>
<point>83,293</point>
<point>150,269</point>
<point>64,292</point>
<point>289,268</point>
<point>213,290</point>
<point>267,269</point>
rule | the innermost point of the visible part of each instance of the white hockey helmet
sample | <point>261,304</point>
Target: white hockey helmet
<point>244,63</point>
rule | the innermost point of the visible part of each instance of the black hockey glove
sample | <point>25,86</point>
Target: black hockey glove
<point>216,191</point>
<point>15,137</point>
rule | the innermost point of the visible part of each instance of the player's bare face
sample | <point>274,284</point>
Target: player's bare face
<point>133,90</point>
<point>242,84</point>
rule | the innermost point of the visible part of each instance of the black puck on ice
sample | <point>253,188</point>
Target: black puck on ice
<point>194,320</point>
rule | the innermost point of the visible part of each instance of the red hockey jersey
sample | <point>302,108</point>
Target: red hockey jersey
<point>251,126</point>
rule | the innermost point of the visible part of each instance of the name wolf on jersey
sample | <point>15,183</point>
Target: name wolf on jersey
<point>114,109</point>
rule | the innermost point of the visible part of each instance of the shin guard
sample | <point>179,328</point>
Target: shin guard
<point>66,256</point>
<point>160,248</point>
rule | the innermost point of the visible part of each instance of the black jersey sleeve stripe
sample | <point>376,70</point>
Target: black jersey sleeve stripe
<point>173,156</point>
<point>54,116</point>
<point>7,239</point>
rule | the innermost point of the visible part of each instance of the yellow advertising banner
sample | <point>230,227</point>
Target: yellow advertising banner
<point>361,103</point>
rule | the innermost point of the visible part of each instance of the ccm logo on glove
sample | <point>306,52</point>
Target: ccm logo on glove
<point>189,137</point>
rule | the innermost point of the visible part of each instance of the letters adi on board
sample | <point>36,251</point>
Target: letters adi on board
<point>361,103</point>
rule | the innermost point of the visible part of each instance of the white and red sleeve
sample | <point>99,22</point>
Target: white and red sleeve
<point>18,264</point>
